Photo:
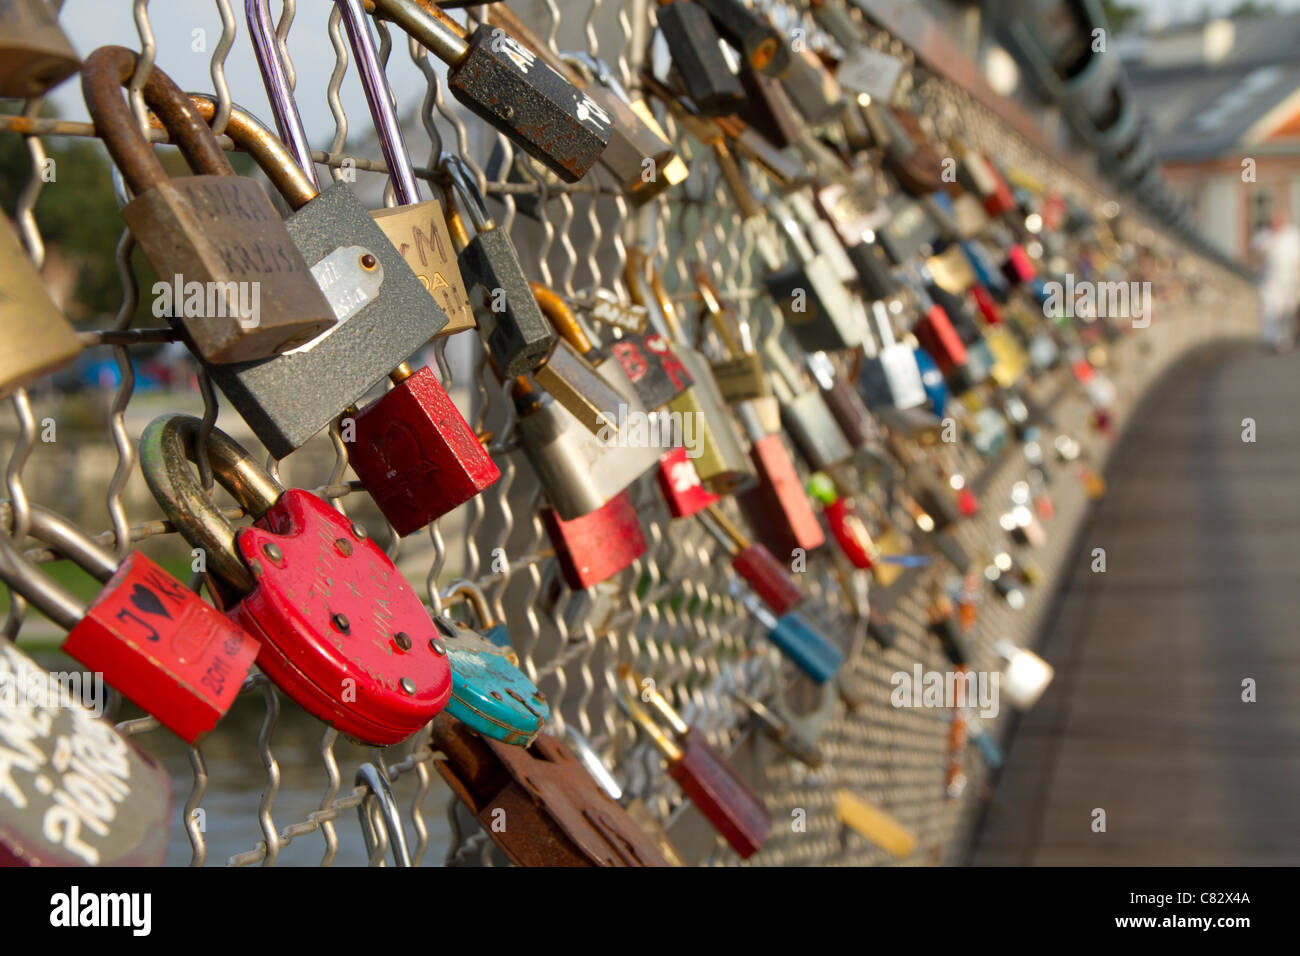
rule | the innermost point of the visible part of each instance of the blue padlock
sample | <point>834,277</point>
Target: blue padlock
<point>936,389</point>
<point>488,690</point>
<point>808,650</point>
<point>988,747</point>
<point>986,270</point>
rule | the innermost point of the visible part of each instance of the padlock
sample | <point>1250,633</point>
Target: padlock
<point>799,641</point>
<point>77,793</point>
<point>890,376</point>
<point>35,55</point>
<point>596,546</point>
<point>936,334</point>
<point>767,109</point>
<point>610,401</point>
<point>510,322</point>
<point>817,307</point>
<point>158,643</point>
<point>341,631</point>
<point>782,733</point>
<point>38,339</point>
<point>726,801</point>
<point>755,564</point>
<point>812,88</point>
<point>777,507</point>
<point>955,778</point>
<point>556,814</point>
<point>416,227</point>
<point>415,453</point>
<point>652,367</point>
<point>874,824</point>
<point>680,483</point>
<point>637,144</point>
<point>908,153</point>
<point>384,312</point>
<point>805,414</point>
<point>699,57</point>
<point>847,525</point>
<point>762,47</point>
<point>845,404</point>
<point>636,808</point>
<point>502,81</point>
<point>834,17</point>
<point>488,691</point>
<point>946,626</point>
<point>215,230</point>
<point>721,461</point>
<point>740,374</point>
<point>909,231</point>
<point>493,631</point>
<point>578,471</point>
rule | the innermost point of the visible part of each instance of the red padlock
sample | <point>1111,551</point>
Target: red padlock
<point>1017,267</point>
<point>598,545</point>
<point>416,454</point>
<point>753,562</point>
<point>680,483</point>
<point>987,307</point>
<point>777,507</point>
<point>341,631</point>
<point>937,336</point>
<point>154,640</point>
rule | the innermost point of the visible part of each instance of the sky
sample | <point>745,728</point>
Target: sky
<point>94,23</point>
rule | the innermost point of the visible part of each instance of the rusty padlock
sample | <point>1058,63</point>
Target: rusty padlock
<point>341,631</point>
<point>214,229</point>
<point>556,814</point>
<point>160,644</point>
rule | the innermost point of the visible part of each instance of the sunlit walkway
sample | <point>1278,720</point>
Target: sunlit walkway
<point>1146,720</point>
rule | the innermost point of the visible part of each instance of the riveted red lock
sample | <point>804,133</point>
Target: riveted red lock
<point>596,546</point>
<point>341,631</point>
<point>416,454</point>
<point>153,639</point>
<point>769,578</point>
<point>680,483</point>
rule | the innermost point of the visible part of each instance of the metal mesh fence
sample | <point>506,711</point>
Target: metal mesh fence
<point>676,613</point>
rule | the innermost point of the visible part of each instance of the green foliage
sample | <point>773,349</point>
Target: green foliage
<point>1119,15</point>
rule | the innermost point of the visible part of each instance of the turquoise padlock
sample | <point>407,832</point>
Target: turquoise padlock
<point>799,641</point>
<point>488,690</point>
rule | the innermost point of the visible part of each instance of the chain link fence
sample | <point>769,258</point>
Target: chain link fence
<point>676,614</point>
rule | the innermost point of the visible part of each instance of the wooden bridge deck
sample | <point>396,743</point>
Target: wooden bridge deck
<point>1202,590</point>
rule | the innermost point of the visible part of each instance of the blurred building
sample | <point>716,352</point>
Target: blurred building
<point>1223,98</point>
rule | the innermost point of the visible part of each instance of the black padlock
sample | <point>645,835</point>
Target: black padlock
<point>750,33</point>
<point>699,58</point>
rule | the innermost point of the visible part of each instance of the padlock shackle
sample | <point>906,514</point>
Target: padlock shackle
<point>629,701</point>
<point>646,290</point>
<point>456,174</point>
<point>474,597</point>
<point>560,316</point>
<point>270,154</point>
<point>379,97</point>
<point>430,27</point>
<point>728,324</point>
<point>53,600</point>
<point>657,700</point>
<point>278,91</point>
<point>167,446</point>
<point>103,76</point>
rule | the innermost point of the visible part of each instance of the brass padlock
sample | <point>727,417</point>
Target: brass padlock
<point>35,55</point>
<point>37,338</point>
<point>215,232</point>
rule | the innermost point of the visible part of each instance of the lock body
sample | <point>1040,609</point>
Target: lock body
<point>505,83</point>
<point>769,579</point>
<point>164,648</point>
<point>695,45</point>
<point>38,339</point>
<point>488,692</point>
<point>722,464</point>
<point>35,55</point>
<point>416,454</point>
<point>728,803</point>
<point>816,306</point>
<point>289,398</point>
<point>652,367</point>
<point>596,546</point>
<point>341,630</point>
<point>419,233</point>
<point>777,506</point>
<point>811,652</point>
<point>510,323</point>
<point>77,792</point>
<point>680,483</point>
<point>556,813</point>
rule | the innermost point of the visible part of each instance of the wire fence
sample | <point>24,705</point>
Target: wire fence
<point>676,614</point>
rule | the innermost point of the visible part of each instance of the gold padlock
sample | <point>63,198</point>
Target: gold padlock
<point>37,338</point>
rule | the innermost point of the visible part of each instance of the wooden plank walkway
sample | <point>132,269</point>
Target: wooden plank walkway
<point>1202,590</point>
